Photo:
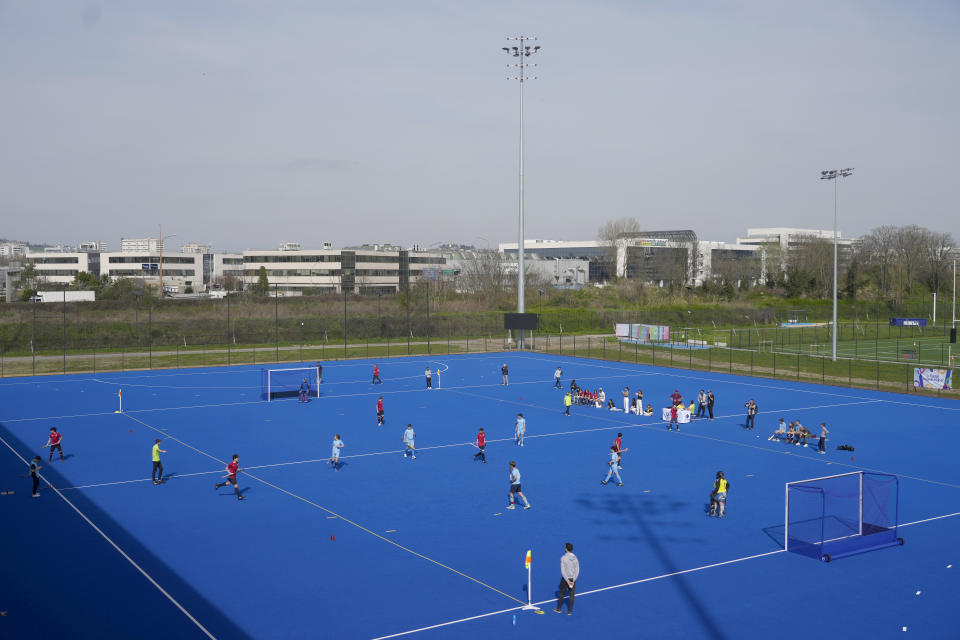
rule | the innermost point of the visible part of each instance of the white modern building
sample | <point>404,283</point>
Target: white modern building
<point>789,237</point>
<point>179,270</point>
<point>729,260</point>
<point>13,249</point>
<point>226,266</point>
<point>141,245</point>
<point>54,267</point>
<point>340,270</point>
<point>196,247</point>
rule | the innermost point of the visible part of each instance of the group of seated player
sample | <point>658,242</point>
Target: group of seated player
<point>585,396</point>
<point>791,433</point>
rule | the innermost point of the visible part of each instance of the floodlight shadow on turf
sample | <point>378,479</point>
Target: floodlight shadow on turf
<point>99,564</point>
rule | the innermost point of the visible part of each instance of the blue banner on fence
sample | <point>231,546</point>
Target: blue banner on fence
<point>908,322</point>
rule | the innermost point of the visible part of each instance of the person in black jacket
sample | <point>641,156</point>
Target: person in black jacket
<point>711,399</point>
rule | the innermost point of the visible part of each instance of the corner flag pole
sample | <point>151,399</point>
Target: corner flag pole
<point>529,606</point>
<point>120,399</point>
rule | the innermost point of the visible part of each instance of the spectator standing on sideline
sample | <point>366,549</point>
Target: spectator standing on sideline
<point>567,401</point>
<point>676,398</point>
<point>35,475</point>
<point>701,404</point>
<point>376,375</point>
<point>639,398</point>
<point>626,399</point>
<point>157,474</point>
<point>519,429</point>
<point>718,497</point>
<point>428,376</point>
<point>515,487</point>
<point>711,400</point>
<point>380,411</point>
<point>54,441</point>
<point>751,413</point>
<point>822,443</point>
<point>481,445</point>
<point>569,572</point>
<point>556,378</point>
<point>505,372</point>
<point>408,438</point>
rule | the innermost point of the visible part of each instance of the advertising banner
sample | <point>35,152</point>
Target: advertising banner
<point>932,378</point>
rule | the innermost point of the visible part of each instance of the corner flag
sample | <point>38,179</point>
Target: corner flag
<point>527,563</point>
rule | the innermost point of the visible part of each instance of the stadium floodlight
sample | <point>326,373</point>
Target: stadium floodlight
<point>833,174</point>
<point>523,51</point>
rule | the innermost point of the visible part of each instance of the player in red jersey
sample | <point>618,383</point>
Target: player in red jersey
<point>53,442</point>
<point>233,468</point>
<point>676,398</point>
<point>380,411</point>
<point>376,375</point>
<point>481,445</point>
<point>618,443</point>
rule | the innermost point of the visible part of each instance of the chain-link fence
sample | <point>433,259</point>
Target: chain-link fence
<point>152,334</point>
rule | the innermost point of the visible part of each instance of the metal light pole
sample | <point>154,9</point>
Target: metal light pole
<point>162,238</point>
<point>523,51</point>
<point>833,174</point>
<point>953,306</point>
<point>540,315</point>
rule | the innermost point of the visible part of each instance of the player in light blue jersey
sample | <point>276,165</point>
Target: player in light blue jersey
<point>519,430</point>
<point>515,487</point>
<point>613,465</point>
<point>335,453</point>
<point>408,435</point>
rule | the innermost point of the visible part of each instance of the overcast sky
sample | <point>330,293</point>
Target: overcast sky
<point>244,124</point>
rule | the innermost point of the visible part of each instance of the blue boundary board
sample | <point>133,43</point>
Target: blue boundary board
<point>394,547</point>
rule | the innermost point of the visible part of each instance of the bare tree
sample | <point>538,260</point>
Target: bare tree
<point>485,276</point>
<point>611,236</point>
<point>937,249</point>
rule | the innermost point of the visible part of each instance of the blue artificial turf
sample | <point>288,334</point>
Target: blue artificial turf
<point>387,544</point>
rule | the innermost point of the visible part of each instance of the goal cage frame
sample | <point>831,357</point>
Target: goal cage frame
<point>285,382</point>
<point>841,515</point>
<point>795,316</point>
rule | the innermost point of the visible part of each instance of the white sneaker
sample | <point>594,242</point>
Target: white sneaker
<point>511,506</point>
<point>805,444</point>
<point>414,458</point>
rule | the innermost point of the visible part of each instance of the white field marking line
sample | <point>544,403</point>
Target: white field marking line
<point>656,426</point>
<point>333,513</point>
<point>285,464</point>
<point>221,370</point>
<point>243,402</point>
<point>76,415</point>
<point>761,386</point>
<point>115,546</point>
<point>625,584</point>
<point>714,373</point>
<point>614,425</point>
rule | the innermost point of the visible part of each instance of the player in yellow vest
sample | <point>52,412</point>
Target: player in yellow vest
<point>718,497</point>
